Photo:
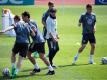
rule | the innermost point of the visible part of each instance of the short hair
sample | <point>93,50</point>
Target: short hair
<point>16,17</point>
<point>50,3</point>
<point>26,14</point>
<point>88,6</point>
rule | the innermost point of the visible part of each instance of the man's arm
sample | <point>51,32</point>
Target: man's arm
<point>80,21</point>
<point>95,25</point>
<point>8,29</point>
<point>43,23</point>
<point>94,28</point>
<point>43,19</point>
<point>33,31</point>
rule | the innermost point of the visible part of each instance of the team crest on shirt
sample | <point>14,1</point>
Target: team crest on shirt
<point>93,17</point>
<point>89,21</point>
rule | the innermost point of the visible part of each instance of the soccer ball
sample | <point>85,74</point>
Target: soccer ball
<point>104,60</point>
<point>6,72</point>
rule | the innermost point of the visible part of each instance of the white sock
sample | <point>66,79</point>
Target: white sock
<point>91,57</point>
<point>50,68</point>
<point>77,55</point>
<point>13,65</point>
<point>17,70</point>
<point>36,66</point>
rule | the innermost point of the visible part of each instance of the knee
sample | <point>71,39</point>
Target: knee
<point>93,46</point>
<point>42,56</point>
<point>28,55</point>
<point>13,55</point>
<point>81,48</point>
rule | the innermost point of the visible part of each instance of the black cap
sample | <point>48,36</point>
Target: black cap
<point>53,10</point>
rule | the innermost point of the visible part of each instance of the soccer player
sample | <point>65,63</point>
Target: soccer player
<point>88,20</point>
<point>52,35</point>
<point>21,43</point>
<point>44,17</point>
<point>36,46</point>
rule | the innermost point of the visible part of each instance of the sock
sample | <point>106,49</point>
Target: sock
<point>50,68</point>
<point>13,65</point>
<point>77,55</point>
<point>36,66</point>
<point>91,57</point>
<point>17,70</point>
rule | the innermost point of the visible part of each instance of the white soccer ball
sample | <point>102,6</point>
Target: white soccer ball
<point>6,72</point>
<point>104,60</point>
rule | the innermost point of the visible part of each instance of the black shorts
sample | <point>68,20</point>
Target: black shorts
<point>20,48</point>
<point>88,37</point>
<point>39,47</point>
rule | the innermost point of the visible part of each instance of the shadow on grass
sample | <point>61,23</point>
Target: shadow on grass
<point>103,64</point>
<point>26,76</point>
<point>20,76</point>
<point>32,69</point>
<point>60,66</point>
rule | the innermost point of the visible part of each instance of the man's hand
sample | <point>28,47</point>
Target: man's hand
<point>2,31</point>
<point>79,24</point>
<point>55,39</point>
<point>94,30</point>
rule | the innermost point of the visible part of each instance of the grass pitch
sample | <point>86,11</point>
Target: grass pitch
<point>70,39</point>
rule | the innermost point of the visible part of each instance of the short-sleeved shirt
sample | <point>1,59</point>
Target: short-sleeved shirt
<point>88,22</point>
<point>45,16</point>
<point>22,33</point>
<point>38,38</point>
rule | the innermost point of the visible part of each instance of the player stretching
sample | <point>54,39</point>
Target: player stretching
<point>21,43</point>
<point>36,45</point>
<point>88,21</point>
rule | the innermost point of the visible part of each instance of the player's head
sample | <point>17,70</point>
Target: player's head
<point>16,18</point>
<point>53,12</point>
<point>89,8</point>
<point>26,16</point>
<point>50,5</point>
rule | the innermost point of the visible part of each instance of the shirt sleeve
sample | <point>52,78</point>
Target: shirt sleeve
<point>16,26</point>
<point>81,19</point>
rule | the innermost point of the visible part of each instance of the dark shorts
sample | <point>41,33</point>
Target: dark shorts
<point>39,47</point>
<point>88,37</point>
<point>20,48</point>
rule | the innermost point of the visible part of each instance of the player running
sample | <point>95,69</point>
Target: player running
<point>52,35</point>
<point>88,21</point>
<point>21,43</point>
<point>36,45</point>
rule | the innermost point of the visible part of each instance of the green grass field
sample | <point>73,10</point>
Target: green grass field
<point>70,38</point>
